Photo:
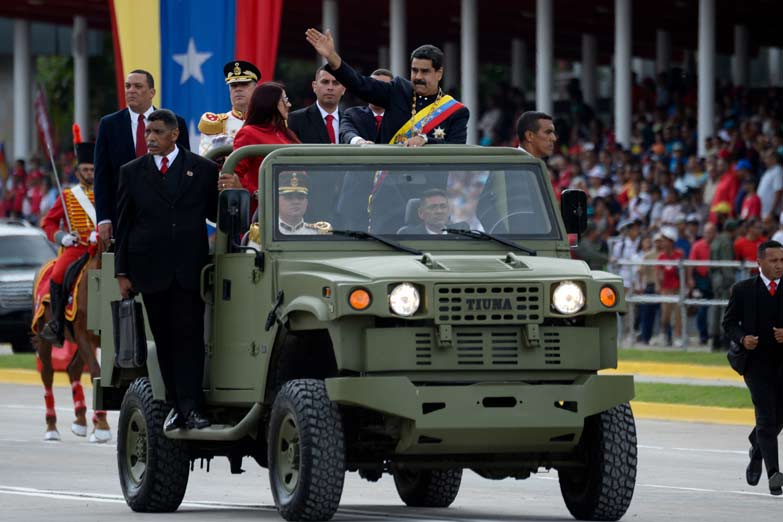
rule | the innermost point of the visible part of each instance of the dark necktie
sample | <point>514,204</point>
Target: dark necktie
<point>772,288</point>
<point>141,144</point>
<point>329,128</point>
<point>378,120</point>
<point>164,165</point>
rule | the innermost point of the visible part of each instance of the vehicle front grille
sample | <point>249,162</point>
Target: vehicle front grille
<point>16,295</point>
<point>488,304</point>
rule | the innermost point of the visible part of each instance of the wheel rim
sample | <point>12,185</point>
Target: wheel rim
<point>136,448</point>
<point>288,448</point>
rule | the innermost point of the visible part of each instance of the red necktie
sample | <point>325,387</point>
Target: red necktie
<point>164,165</point>
<point>378,120</point>
<point>329,128</point>
<point>772,287</point>
<point>141,144</point>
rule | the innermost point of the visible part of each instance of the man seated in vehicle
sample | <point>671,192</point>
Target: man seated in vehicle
<point>433,212</point>
<point>292,199</point>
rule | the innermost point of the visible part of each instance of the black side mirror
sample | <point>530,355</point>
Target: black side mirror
<point>573,208</point>
<point>234,211</point>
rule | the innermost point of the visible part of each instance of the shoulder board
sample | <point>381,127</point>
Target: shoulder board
<point>211,123</point>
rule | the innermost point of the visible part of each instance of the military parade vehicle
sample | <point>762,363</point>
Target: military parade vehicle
<point>414,312</point>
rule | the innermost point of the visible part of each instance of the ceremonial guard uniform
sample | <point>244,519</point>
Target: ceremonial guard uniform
<point>80,208</point>
<point>220,128</point>
<point>294,185</point>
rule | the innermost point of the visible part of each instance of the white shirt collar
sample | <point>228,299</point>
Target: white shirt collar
<point>135,115</point>
<point>285,227</point>
<point>324,112</point>
<point>525,151</point>
<point>766,280</point>
<point>171,156</point>
<point>377,113</point>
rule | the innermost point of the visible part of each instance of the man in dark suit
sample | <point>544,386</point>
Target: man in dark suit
<point>433,214</point>
<point>163,199</point>
<point>417,111</point>
<point>120,140</point>
<point>754,320</point>
<point>361,124</point>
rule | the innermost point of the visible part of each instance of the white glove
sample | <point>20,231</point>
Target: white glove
<point>93,237</point>
<point>69,240</point>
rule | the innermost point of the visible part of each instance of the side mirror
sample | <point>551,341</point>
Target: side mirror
<point>573,208</point>
<point>234,212</point>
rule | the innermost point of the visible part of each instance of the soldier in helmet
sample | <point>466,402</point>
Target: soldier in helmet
<point>220,128</point>
<point>292,198</point>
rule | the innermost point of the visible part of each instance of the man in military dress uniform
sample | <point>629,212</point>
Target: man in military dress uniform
<point>219,129</point>
<point>292,198</point>
<point>79,204</point>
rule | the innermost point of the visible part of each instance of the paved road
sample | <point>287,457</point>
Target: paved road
<point>687,472</point>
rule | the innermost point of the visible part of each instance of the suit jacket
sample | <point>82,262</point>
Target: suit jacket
<point>161,238</point>
<point>358,121</point>
<point>396,97</point>
<point>113,149</point>
<point>740,318</point>
<point>309,126</point>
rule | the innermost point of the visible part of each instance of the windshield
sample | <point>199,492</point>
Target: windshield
<point>25,251</point>
<point>403,202</point>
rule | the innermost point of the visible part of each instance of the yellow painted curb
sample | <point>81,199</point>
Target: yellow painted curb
<point>32,377</point>
<point>690,413</point>
<point>682,371</point>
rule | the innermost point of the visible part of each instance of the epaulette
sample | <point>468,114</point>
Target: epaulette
<point>211,123</point>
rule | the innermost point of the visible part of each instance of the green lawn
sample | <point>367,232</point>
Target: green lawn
<point>18,360</point>
<point>723,396</point>
<point>660,356</point>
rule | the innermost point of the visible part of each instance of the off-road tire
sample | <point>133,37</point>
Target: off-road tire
<point>306,426</point>
<point>160,486</point>
<point>603,489</point>
<point>22,345</point>
<point>435,488</point>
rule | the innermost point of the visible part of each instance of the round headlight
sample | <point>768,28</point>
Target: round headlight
<point>404,299</point>
<point>568,298</point>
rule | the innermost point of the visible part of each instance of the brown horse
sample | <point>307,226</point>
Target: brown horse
<point>87,343</point>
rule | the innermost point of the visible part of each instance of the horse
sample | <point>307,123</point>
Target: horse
<point>85,340</point>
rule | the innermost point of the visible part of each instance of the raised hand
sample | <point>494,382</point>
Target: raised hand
<point>323,45</point>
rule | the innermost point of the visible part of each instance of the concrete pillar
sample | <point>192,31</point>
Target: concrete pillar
<point>663,51</point>
<point>589,65</point>
<point>518,62</point>
<point>469,62</point>
<point>383,57</point>
<point>775,71</point>
<point>740,61</point>
<point>23,114</point>
<point>706,76</point>
<point>399,61</point>
<point>81,100</point>
<point>622,73</point>
<point>451,66</point>
<point>544,56</point>
<point>330,15</point>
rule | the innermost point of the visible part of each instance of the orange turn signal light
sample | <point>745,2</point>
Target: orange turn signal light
<point>359,299</point>
<point>608,296</point>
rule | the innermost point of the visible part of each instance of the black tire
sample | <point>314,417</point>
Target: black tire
<point>435,488</point>
<point>603,489</point>
<point>22,345</point>
<point>153,469</point>
<point>306,452</point>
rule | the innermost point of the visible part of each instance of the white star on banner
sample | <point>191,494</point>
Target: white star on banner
<point>191,63</point>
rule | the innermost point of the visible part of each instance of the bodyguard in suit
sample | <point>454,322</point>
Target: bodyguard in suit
<point>320,122</point>
<point>361,124</point>
<point>163,199</point>
<point>536,133</point>
<point>120,140</point>
<point>754,320</point>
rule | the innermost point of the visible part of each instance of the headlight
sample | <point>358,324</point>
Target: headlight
<point>568,298</point>
<point>404,299</point>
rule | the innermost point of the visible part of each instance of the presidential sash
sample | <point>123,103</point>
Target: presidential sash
<point>427,119</point>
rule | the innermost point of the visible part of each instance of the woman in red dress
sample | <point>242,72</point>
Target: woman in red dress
<point>266,124</point>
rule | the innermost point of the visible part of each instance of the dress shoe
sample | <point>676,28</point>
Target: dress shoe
<point>175,421</point>
<point>776,484</point>
<point>196,421</point>
<point>753,471</point>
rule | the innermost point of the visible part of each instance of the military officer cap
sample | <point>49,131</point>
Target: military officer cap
<point>293,182</point>
<point>239,71</point>
<point>85,152</point>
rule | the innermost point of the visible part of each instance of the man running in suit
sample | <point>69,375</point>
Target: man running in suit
<point>120,140</point>
<point>163,199</point>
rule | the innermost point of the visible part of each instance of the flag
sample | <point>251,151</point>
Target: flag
<point>43,122</point>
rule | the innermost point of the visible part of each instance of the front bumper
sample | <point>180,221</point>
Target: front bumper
<point>484,418</point>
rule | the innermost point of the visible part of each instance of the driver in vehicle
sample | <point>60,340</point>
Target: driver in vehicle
<point>434,214</point>
<point>292,198</point>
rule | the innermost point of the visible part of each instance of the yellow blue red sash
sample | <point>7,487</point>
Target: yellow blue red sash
<point>427,119</point>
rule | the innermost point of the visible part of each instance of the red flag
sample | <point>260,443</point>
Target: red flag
<point>258,31</point>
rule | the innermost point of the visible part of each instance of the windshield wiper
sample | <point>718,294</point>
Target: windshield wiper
<point>360,234</point>
<point>478,234</point>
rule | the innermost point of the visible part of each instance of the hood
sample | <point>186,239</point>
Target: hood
<point>15,275</point>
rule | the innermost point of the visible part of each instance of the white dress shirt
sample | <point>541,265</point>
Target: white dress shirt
<point>171,156</point>
<point>357,139</point>
<point>134,117</point>
<point>767,281</point>
<point>335,121</point>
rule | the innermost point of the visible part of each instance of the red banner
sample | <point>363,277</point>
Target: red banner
<point>43,122</point>
<point>258,31</point>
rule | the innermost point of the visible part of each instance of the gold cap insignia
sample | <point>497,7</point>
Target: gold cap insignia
<point>237,70</point>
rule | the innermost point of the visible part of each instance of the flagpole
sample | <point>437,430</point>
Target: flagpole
<point>39,107</point>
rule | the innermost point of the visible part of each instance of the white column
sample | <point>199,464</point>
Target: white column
<point>399,62</point>
<point>451,65</point>
<point>589,65</point>
<point>706,76</point>
<point>774,66</point>
<point>518,62</point>
<point>740,62</point>
<point>663,51</point>
<point>622,73</point>
<point>383,57</point>
<point>330,14</point>
<point>544,56</point>
<point>23,113</point>
<point>81,101</point>
<point>469,55</point>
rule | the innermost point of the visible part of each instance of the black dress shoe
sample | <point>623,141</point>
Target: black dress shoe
<point>196,421</point>
<point>776,484</point>
<point>175,422</point>
<point>753,471</point>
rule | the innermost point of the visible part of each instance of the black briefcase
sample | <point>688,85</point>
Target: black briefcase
<point>738,357</point>
<point>130,343</point>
